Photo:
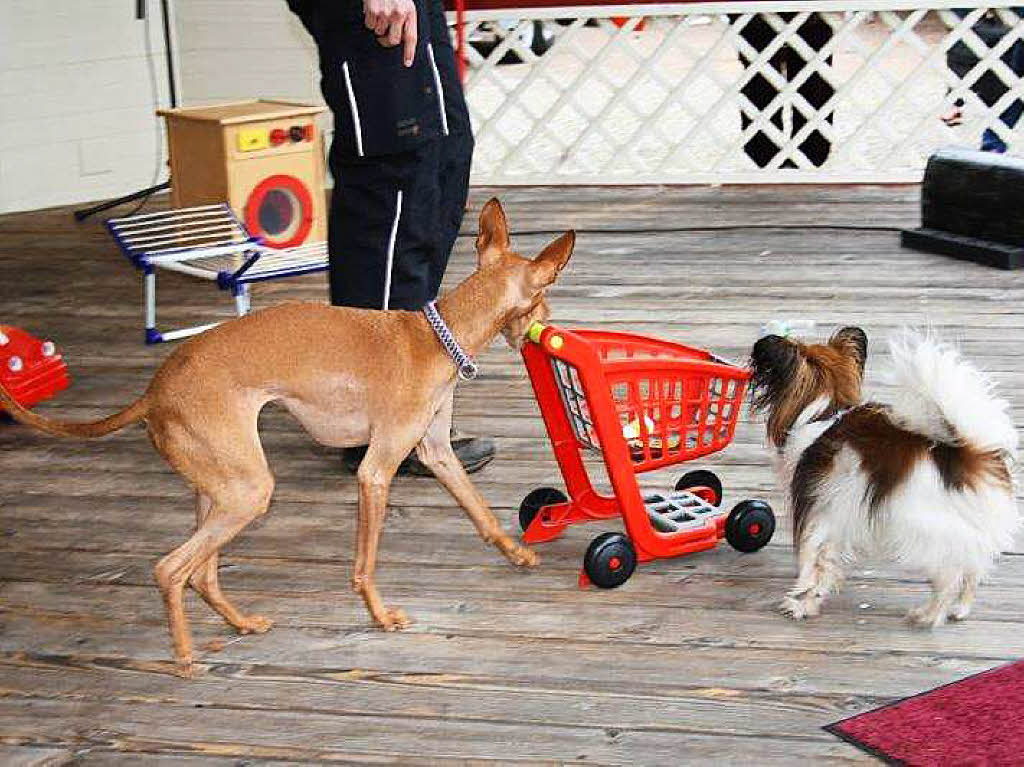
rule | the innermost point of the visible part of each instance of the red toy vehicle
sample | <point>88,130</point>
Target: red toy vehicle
<point>30,369</point>
<point>644,404</point>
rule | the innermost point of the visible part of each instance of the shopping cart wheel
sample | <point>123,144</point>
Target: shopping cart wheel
<point>536,500</point>
<point>610,560</point>
<point>749,525</point>
<point>703,483</point>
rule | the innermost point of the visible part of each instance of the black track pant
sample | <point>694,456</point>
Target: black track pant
<point>400,157</point>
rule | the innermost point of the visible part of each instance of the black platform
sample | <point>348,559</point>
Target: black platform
<point>972,208</point>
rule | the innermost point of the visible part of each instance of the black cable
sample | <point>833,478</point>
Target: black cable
<point>154,89</point>
<point>724,228</point>
<point>169,55</point>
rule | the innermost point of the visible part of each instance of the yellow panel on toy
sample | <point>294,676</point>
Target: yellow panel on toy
<point>251,139</point>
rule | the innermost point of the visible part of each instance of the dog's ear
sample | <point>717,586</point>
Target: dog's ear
<point>773,362</point>
<point>852,340</point>
<point>774,353</point>
<point>546,267</point>
<point>492,240</point>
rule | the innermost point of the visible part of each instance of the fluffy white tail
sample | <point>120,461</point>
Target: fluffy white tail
<point>943,396</point>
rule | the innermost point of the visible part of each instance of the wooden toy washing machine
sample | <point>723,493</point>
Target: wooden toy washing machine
<point>264,158</point>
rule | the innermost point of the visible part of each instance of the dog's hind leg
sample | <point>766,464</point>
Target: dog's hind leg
<point>821,571</point>
<point>235,477</point>
<point>965,600</point>
<point>435,451</point>
<point>206,582</point>
<point>947,587</point>
<point>174,571</point>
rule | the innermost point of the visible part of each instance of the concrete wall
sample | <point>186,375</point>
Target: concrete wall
<point>77,101</point>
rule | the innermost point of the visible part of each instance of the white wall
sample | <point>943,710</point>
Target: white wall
<point>76,101</point>
<point>242,49</point>
<point>77,118</point>
<point>232,50</point>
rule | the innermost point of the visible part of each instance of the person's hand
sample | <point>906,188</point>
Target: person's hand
<point>393,22</point>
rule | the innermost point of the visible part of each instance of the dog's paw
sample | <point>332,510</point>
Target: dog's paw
<point>524,557</point>
<point>186,668</point>
<point>393,619</point>
<point>518,555</point>
<point>959,612</point>
<point>926,617</point>
<point>799,608</point>
<point>254,624</point>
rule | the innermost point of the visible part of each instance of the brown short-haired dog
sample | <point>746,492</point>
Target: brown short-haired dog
<point>376,377</point>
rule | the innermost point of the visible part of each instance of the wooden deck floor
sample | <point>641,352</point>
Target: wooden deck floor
<point>688,663</point>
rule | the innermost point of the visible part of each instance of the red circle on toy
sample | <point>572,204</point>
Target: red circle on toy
<point>280,211</point>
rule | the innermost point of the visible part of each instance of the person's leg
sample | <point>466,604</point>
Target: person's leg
<point>382,242</point>
<point>456,147</point>
<point>990,140</point>
<point>759,90</point>
<point>456,157</point>
<point>387,240</point>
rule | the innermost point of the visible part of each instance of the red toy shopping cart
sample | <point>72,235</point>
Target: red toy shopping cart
<point>644,404</point>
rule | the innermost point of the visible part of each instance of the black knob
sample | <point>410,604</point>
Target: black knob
<point>297,133</point>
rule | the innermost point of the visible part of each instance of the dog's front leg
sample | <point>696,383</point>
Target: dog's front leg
<point>821,571</point>
<point>375,474</point>
<point>435,451</point>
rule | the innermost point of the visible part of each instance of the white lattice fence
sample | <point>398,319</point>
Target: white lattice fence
<point>827,92</point>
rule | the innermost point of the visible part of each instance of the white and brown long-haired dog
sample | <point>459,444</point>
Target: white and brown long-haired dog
<point>925,479</point>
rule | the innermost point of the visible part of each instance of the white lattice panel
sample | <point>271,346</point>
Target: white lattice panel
<point>657,94</point>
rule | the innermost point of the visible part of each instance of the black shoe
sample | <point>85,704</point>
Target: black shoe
<point>473,452</point>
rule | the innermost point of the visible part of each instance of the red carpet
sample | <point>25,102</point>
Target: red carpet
<point>976,721</point>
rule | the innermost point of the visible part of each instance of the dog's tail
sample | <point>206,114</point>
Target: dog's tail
<point>944,397</point>
<point>134,412</point>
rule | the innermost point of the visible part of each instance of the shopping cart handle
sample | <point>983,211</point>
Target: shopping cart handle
<point>535,334</point>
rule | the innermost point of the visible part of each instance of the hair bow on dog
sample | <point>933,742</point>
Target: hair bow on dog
<point>787,328</point>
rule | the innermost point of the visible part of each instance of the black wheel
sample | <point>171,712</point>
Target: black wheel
<point>702,480</point>
<point>749,525</point>
<point>536,500</point>
<point>610,560</point>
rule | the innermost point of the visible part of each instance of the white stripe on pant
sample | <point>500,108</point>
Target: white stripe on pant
<point>391,250</point>
<point>440,90</point>
<point>355,108</point>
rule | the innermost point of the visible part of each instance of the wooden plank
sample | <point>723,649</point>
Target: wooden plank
<point>34,756</point>
<point>287,735</point>
<point>743,616</point>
